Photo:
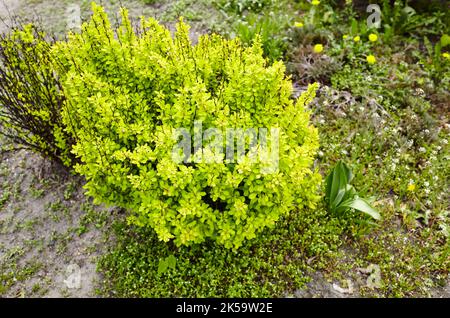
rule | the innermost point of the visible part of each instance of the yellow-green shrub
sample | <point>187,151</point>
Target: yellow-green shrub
<point>126,93</point>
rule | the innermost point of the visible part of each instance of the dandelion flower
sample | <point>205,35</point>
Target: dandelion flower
<point>373,37</point>
<point>411,187</point>
<point>318,48</point>
<point>345,36</point>
<point>298,25</point>
<point>356,38</point>
<point>446,55</point>
<point>371,59</point>
<point>315,2</point>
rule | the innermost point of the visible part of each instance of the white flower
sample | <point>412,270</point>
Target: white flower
<point>422,149</point>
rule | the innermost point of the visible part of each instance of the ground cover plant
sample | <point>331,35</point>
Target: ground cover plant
<point>359,206</point>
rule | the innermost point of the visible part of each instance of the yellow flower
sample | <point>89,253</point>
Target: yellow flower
<point>411,187</point>
<point>446,55</point>
<point>345,36</point>
<point>318,48</point>
<point>298,25</point>
<point>373,37</point>
<point>315,2</point>
<point>371,59</point>
<point>356,38</point>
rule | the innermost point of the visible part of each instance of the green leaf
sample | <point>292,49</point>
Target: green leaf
<point>162,266</point>
<point>338,199</point>
<point>337,185</point>
<point>362,205</point>
<point>437,51</point>
<point>445,40</point>
<point>334,183</point>
<point>171,261</point>
<point>354,27</point>
<point>348,172</point>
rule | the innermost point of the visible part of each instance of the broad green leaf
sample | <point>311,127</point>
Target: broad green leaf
<point>171,261</point>
<point>350,193</point>
<point>348,172</point>
<point>445,40</point>
<point>338,182</point>
<point>338,199</point>
<point>162,266</point>
<point>354,27</point>
<point>361,205</point>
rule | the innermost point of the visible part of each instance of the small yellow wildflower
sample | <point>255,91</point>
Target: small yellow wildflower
<point>411,187</point>
<point>318,48</point>
<point>298,25</point>
<point>446,55</point>
<point>315,2</point>
<point>371,59</point>
<point>345,36</point>
<point>356,38</point>
<point>373,37</point>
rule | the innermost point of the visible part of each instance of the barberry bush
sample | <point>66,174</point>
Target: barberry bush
<point>31,95</point>
<point>128,89</point>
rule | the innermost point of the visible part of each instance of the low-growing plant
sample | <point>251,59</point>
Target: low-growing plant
<point>400,18</point>
<point>437,62</point>
<point>341,196</point>
<point>127,92</point>
<point>269,28</point>
<point>31,96</point>
<point>241,6</point>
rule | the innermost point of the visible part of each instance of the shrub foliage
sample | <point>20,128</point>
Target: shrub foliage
<point>127,90</point>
